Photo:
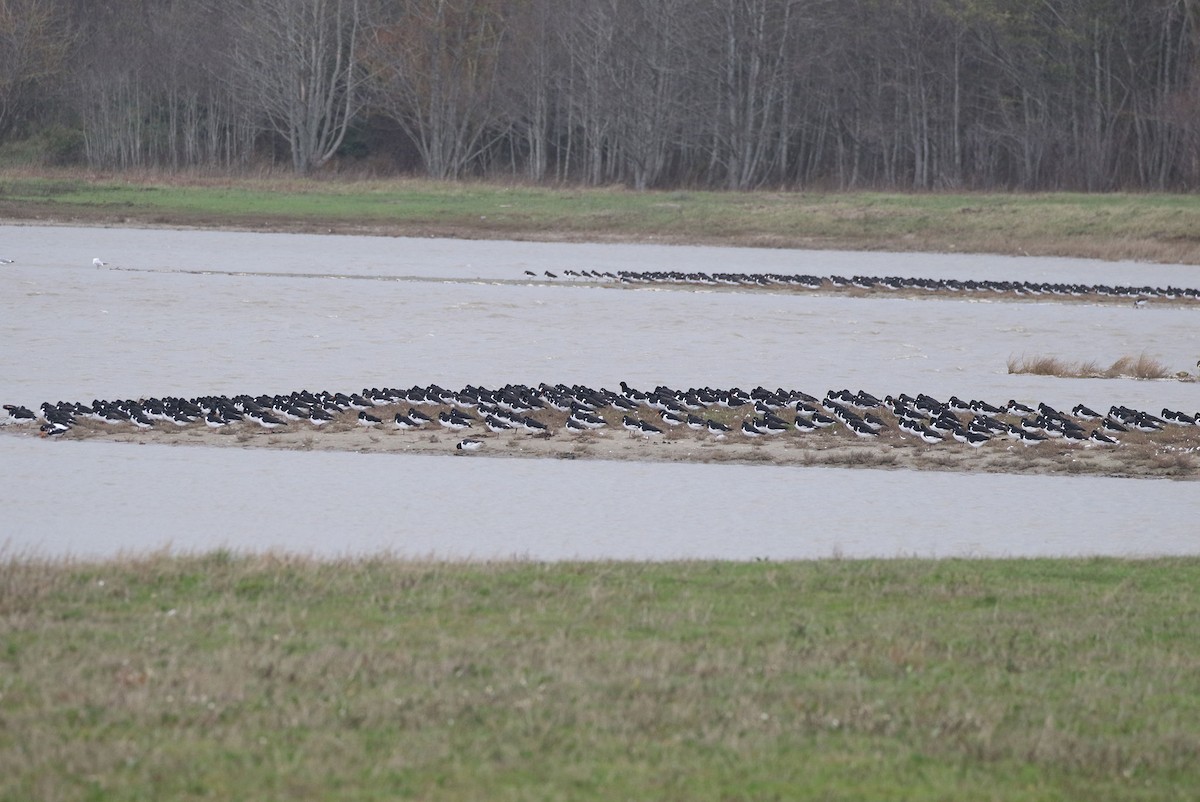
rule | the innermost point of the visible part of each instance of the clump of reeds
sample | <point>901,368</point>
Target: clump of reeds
<point>1142,366</point>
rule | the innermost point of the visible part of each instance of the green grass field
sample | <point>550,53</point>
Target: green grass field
<point>270,678</point>
<point>1160,228</point>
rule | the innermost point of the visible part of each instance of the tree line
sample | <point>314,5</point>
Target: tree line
<point>907,94</point>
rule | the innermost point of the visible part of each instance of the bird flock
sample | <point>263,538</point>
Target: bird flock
<point>808,282</point>
<point>805,282</point>
<point>547,410</point>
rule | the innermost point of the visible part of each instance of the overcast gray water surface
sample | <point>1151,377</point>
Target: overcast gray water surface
<point>71,332</point>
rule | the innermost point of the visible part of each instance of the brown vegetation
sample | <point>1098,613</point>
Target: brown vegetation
<point>1142,366</point>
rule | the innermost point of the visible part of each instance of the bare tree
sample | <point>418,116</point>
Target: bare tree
<point>34,43</point>
<point>298,61</point>
<point>529,81</point>
<point>151,86</point>
<point>435,70</point>
<point>649,78</point>
<point>750,78</point>
<point>1052,94</point>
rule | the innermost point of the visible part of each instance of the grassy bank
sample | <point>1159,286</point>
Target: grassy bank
<point>1160,228</point>
<point>269,678</point>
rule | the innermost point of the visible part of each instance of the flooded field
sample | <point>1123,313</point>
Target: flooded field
<point>277,313</point>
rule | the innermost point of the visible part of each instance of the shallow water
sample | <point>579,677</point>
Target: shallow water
<point>69,247</point>
<point>91,499</point>
<point>70,332</point>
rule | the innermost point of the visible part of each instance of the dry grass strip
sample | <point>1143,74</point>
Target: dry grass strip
<point>1141,366</point>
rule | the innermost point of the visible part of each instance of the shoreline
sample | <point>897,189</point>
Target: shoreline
<point>1107,227</point>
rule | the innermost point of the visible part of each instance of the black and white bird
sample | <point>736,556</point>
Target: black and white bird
<point>804,424</point>
<point>586,420</point>
<point>469,445</point>
<point>930,436</point>
<point>496,425</point>
<point>533,426</point>
<point>1074,435</point>
<point>874,422</point>
<point>453,422</point>
<point>318,416</point>
<point>1181,418</point>
<point>53,428</point>
<point>717,428</point>
<point>956,404</point>
<point>770,424</point>
<point>861,429</point>
<point>649,430</point>
<point>976,439</point>
<point>263,419</point>
<point>18,414</point>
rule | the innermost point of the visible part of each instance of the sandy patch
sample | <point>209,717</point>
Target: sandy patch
<point>1171,453</point>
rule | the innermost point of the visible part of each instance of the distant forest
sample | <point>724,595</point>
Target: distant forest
<point>1091,95</point>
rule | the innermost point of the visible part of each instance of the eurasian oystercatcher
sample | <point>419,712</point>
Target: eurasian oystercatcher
<point>533,426</point>
<point>717,428</point>
<point>451,422</point>
<point>494,424</point>
<point>18,414</point>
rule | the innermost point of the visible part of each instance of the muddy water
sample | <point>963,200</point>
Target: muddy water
<point>70,332</point>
